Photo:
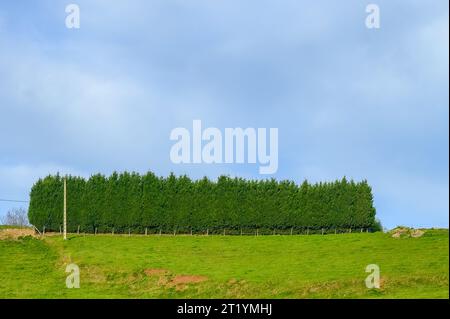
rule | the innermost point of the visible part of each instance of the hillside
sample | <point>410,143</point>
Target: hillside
<point>315,266</point>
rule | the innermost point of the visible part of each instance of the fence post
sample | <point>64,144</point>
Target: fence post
<point>78,230</point>
<point>175,232</point>
<point>145,231</point>
<point>292,228</point>
<point>224,231</point>
<point>60,229</point>
<point>207,231</point>
<point>307,231</point>
<point>322,231</point>
<point>159,231</point>
<point>112,233</point>
<point>257,231</point>
<point>191,231</point>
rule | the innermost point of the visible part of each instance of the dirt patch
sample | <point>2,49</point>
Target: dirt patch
<point>169,280</point>
<point>16,233</point>
<point>181,282</point>
<point>156,272</point>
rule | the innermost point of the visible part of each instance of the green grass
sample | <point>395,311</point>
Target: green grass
<point>315,266</point>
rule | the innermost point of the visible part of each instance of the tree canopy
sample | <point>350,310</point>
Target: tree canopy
<point>132,202</point>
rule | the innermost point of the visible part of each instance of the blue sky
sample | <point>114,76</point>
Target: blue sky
<point>347,100</point>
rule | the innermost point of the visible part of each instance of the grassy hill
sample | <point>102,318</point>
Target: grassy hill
<point>315,266</point>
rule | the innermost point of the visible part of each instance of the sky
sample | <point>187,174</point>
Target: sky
<point>347,100</point>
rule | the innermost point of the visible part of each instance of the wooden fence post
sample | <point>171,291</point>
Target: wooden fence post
<point>145,231</point>
<point>292,228</point>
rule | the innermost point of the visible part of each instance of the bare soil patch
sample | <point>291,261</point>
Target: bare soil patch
<point>181,282</point>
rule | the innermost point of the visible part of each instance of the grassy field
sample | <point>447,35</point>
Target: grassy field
<point>315,266</point>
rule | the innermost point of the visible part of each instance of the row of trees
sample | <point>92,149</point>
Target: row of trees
<point>131,202</point>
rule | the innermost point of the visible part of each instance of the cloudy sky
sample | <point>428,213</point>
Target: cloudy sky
<point>347,100</point>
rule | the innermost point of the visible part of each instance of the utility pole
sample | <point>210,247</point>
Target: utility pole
<point>65,209</point>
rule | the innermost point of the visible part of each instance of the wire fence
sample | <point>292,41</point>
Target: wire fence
<point>208,231</point>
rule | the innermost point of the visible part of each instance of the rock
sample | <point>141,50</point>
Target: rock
<point>396,235</point>
<point>406,232</point>
<point>417,233</point>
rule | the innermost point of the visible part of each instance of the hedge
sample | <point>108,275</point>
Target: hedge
<point>130,202</point>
